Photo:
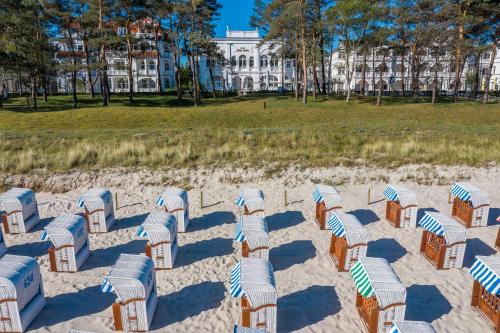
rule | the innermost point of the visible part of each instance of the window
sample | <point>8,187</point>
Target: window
<point>233,61</point>
<point>251,62</point>
<point>263,61</point>
<point>274,61</point>
<point>152,65</point>
<point>110,85</point>
<point>121,31</point>
<point>122,47</point>
<point>341,55</point>
<point>120,65</point>
<point>341,70</point>
<point>242,62</point>
<point>167,66</point>
<point>147,84</point>
<point>484,71</point>
<point>486,56</point>
<point>167,84</point>
<point>123,84</point>
<point>166,48</point>
<point>288,64</point>
<point>143,64</point>
<point>79,47</point>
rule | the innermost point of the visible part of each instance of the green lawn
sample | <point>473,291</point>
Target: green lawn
<point>155,132</point>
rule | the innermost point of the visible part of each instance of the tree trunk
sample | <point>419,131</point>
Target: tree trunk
<point>34,93</point>
<point>73,82</point>
<point>330,69</point>
<point>458,62</point>
<point>129,69</point>
<point>212,80</point>
<point>373,71</point>
<point>488,74</point>
<point>434,86</point>
<point>296,77</point>
<point>304,49</point>
<point>103,68</point>
<point>44,88</point>
<point>158,65</point>
<point>363,73</point>
<point>403,67</point>
<point>475,84</point>
<point>89,72</point>
<point>380,83</point>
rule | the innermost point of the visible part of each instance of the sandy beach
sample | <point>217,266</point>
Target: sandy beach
<point>313,296</point>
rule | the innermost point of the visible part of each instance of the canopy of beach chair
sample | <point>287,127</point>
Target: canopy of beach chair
<point>251,197</point>
<point>254,278</point>
<point>468,192</point>
<point>411,327</point>
<point>173,198</point>
<point>401,194</point>
<point>95,199</point>
<point>348,225</point>
<point>14,200</point>
<point>375,277</point>
<point>66,229</point>
<point>443,225</point>
<point>328,195</point>
<point>252,229</point>
<point>486,271</point>
<point>158,227</point>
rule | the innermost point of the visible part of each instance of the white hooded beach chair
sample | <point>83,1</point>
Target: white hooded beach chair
<point>252,201</point>
<point>252,280</point>
<point>470,205</point>
<point>21,292</point>
<point>253,234</point>
<point>99,211</point>
<point>349,240</point>
<point>486,289</point>
<point>239,329</point>
<point>401,208</point>
<point>3,247</point>
<point>160,228</point>
<point>443,240</point>
<point>20,210</point>
<point>175,201</point>
<point>327,200</point>
<point>132,279</point>
<point>70,239</point>
<point>380,297</point>
<point>406,326</point>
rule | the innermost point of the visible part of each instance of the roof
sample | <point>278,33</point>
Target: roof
<point>173,198</point>
<point>401,194</point>
<point>254,278</point>
<point>406,326</point>
<point>158,227</point>
<point>253,198</point>
<point>66,229</point>
<point>375,277</point>
<point>132,276</point>
<point>486,271</point>
<point>95,195</point>
<point>468,192</point>
<point>348,225</point>
<point>328,195</point>
<point>442,225</point>
<point>252,229</point>
<point>14,198</point>
<point>14,281</point>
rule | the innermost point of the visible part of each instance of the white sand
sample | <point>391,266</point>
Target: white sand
<point>313,296</point>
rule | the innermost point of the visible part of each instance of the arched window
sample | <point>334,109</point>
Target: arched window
<point>274,61</point>
<point>242,61</point>
<point>248,83</point>
<point>236,83</point>
<point>250,62</point>
<point>263,61</point>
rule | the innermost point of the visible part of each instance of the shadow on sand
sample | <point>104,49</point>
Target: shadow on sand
<point>287,255</point>
<point>306,307</point>
<point>128,222</point>
<point>476,247</point>
<point>208,248</point>
<point>36,249</point>
<point>365,216</point>
<point>387,248</point>
<point>425,303</point>
<point>421,212</point>
<point>107,257</point>
<point>210,220</point>
<point>68,306</point>
<point>188,302</point>
<point>493,215</point>
<point>284,220</point>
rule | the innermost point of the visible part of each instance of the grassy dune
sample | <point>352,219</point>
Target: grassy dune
<point>154,132</point>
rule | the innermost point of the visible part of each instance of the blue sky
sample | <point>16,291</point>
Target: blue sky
<point>235,14</point>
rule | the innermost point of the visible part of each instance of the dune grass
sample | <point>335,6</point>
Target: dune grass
<point>154,132</point>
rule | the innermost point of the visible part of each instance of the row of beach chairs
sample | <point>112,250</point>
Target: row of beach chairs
<point>380,295</point>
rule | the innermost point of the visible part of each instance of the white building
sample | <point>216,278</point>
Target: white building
<point>144,63</point>
<point>250,65</point>
<point>391,74</point>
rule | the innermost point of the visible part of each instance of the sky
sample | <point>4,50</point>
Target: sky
<point>235,14</point>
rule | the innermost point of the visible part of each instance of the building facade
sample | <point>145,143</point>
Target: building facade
<point>393,78</point>
<point>148,58</point>
<point>250,65</point>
